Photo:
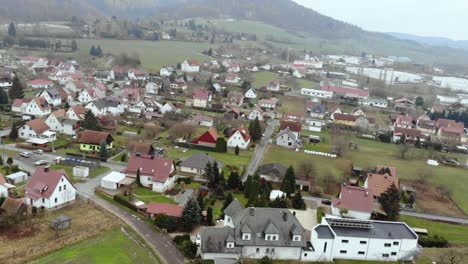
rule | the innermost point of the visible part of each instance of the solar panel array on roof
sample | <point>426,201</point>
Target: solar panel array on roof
<point>349,223</point>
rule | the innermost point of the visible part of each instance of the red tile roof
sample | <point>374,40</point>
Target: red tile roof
<point>167,209</point>
<point>243,131</point>
<point>38,125</point>
<point>345,117</point>
<point>379,183</point>
<point>159,168</point>
<point>408,132</point>
<point>43,183</point>
<point>95,137</point>
<point>210,136</point>
<point>355,198</point>
<point>40,82</point>
<point>201,94</point>
<point>292,125</point>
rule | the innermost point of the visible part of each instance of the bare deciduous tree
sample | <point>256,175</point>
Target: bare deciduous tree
<point>182,130</point>
<point>307,168</point>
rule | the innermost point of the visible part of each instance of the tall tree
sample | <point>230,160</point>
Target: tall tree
<point>298,201</point>
<point>104,152</point>
<point>253,191</point>
<point>234,181</point>
<point>90,121</point>
<point>237,150</point>
<point>74,45</point>
<point>289,181</point>
<point>92,51</point>
<point>12,30</point>
<point>191,215</point>
<point>390,201</point>
<point>255,129</point>
<point>138,177</point>
<point>200,201</point>
<point>247,185</point>
<point>14,131</point>
<point>221,145</point>
<point>3,97</point>
<point>419,101</point>
<point>99,51</point>
<point>209,216</point>
<point>17,89</point>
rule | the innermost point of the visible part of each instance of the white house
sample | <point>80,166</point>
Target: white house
<point>316,93</point>
<point>54,119</point>
<point>19,105</point>
<point>52,96</point>
<point>251,93</point>
<point>286,138</point>
<point>135,74</point>
<point>380,103</point>
<point>77,112</point>
<point>256,233</point>
<point>152,88</point>
<point>232,78</point>
<point>315,125</point>
<point>156,173</point>
<point>256,112</point>
<point>268,103</point>
<point>337,238</point>
<point>38,107</point>
<point>167,107</point>
<point>239,138</point>
<point>190,66</point>
<point>87,95</point>
<point>5,187</point>
<point>105,106</point>
<point>166,71</point>
<point>196,164</point>
<point>49,189</point>
<point>36,129</point>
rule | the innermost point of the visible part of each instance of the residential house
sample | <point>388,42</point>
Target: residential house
<point>51,95</point>
<point>235,99</point>
<point>105,106</point>
<point>251,93</point>
<point>353,202</point>
<point>5,187</point>
<point>131,96</point>
<point>373,102</point>
<point>196,164</point>
<point>190,66</point>
<point>232,78</point>
<point>346,92</point>
<point>179,83</point>
<point>166,71</point>
<point>232,113</point>
<point>140,75</point>
<point>167,108</point>
<point>201,98</point>
<point>207,139</point>
<point>156,173</point>
<point>240,137</point>
<point>287,138</point>
<point>268,104</point>
<point>103,76</point>
<point>315,125</point>
<point>427,127</point>
<point>40,84</point>
<point>450,130</point>
<point>36,130</point>
<point>336,111</point>
<point>317,93</point>
<point>273,86</point>
<point>438,108</point>
<point>87,95</point>
<point>234,67</point>
<point>359,121</point>
<point>294,126</point>
<point>404,121</point>
<point>152,88</point>
<point>38,107</point>
<point>154,208</point>
<point>340,238</point>
<point>16,208</point>
<point>411,135</point>
<point>256,112</point>
<point>251,68</point>
<point>19,105</point>
<point>118,74</point>
<point>54,119</point>
<point>272,172</point>
<point>91,140</point>
<point>379,182</point>
<point>254,232</point>
<point>49,189</point>
<point>77,112</point>
<point>202,120</point>
<point>404,105</point>
<point>140,147</point>
<point>316,109</point>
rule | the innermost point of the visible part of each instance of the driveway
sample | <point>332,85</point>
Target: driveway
<point>260,150</point>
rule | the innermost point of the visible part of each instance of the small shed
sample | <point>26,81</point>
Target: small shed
<point>111,181</point>
<point>80,171</point>
<point>60,222</point>
<point>17,177</point>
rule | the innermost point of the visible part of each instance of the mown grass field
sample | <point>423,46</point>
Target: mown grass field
<point>148,196</point>
<point>111,247</point>
<point>153,54</point>
<point>261,79</point>
<point>69,170</point>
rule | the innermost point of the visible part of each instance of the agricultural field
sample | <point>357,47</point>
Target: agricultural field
<point>262,78</point>
<point>113,246</point>
<point>153,54</point>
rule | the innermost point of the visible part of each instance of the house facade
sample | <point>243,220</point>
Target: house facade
<point>156,173</point>
<point>92,140</point>
<point>190,66</point>
<point>239,138</point>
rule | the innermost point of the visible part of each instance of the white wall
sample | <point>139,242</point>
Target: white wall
<point>279,252</point>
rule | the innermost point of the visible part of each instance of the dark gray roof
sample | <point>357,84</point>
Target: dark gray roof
<point>53,92</point>
<point>272,169</point>
<point>103,103</point>
<point>214,240</point>
<point>324,231</point>
<point>199,160</point>
<point>233,207</point>
<point>271,228</point>
<point>225,261</point>
<point>378,229</point>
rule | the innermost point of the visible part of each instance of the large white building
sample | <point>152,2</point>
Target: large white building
<point>316,93</point>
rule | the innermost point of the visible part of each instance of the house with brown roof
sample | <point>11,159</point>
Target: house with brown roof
<point>156,173</point>
<point>449,129</point>
<point>381,180</point>
<point>190,66</point>
<point>410,135</point>
<point>207,139</point>
<point>201,98</point>
<point>37,107</point>
<point>235,99</point>
<point>14,207</point>
<point>49,189</point>
<point>36,129</point>
<point>91,140</point>
<point>257,112</point>
<point>140,147</point>
<point>77,112</point>
<point>155,208</point>
<point>239,138</point>
<point>353,202</point>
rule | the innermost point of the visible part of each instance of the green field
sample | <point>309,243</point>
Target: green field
<point>111,247</point>
<point>148,196</point>
<point>69,170</point>
<point>455,234</point>
<point>153,54</point>
<point>261,79</point>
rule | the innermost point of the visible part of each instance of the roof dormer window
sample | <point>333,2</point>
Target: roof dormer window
<point>246,236</point>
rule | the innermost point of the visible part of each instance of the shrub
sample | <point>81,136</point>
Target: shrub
<point>320,214</point>
<point>164,221</point>
<point>433,241</point>
<point>121,200</point>
<point>186,180</point>
<point>185,244</point>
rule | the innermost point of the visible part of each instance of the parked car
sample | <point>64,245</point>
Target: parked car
<point>326,202</point>
<point>25,154</point>
<point>38,151</point>
<point>40,163</point>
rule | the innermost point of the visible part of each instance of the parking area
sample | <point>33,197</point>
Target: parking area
<point>307,218</point>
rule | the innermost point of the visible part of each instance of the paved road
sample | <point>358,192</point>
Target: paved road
<point>448,219</point>
<point>260,150</point>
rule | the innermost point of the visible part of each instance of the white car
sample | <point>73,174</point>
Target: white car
<point>25,154</point>
<point>40,163</point>
<point>38,151</point>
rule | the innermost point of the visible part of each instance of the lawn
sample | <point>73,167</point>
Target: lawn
<point>111,247</point>
<point>147,196</point>
<point>240,161</point>
<point>261,79</point>
<point>153,54</point>
<point>69,170</point>
<point>455,234</point>
<point>292,105</point>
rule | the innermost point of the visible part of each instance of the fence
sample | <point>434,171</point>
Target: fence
<point>318,153</point>
<point>79,162</point>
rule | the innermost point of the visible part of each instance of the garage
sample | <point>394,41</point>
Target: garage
<point>112,180</point>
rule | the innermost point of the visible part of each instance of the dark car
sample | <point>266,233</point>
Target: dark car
<point>326,202</point>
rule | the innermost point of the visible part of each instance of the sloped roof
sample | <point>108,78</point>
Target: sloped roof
<point>199,160</point>
<point>292,125</point>
<point>163,208</point>
<point>95,137</point>
<point>139,147</point>
<point>233,207</point>
<point>355,198</point>
<point>157,167</point>
<point>38,125</point>
<point>43,182</point>
<point>11,206</point>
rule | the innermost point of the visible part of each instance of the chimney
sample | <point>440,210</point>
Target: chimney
<point>252,211</point>
<point>46,169</point>
<point>285,216</point>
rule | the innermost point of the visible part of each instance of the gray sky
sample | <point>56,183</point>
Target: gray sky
<point>439,18</point>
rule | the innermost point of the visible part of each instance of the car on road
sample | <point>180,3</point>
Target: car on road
<point>25,154</point>
<point>38,151</point>
<point>326,202</point>
<point>40,163</point>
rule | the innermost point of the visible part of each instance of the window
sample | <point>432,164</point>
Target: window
<point>344,241</point>
<point>272,251</point>
<point>396,243</point>
<point>60,188</point>
<point>363,242</point>
<point>385,255</point>
<point>361,252</point>
<point>387,245</point>
<point>267,251</point>
<point>268,238</point>
<point>325,247</point>
<point>43,200</point>
<point>305,254</point>
<point>393,253</point>
<point>257,251</point>
<point>55,200</point>
<point>343,251</point>
<point>64,187</point>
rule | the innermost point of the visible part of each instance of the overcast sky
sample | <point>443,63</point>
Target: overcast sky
<point>439,18</point>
